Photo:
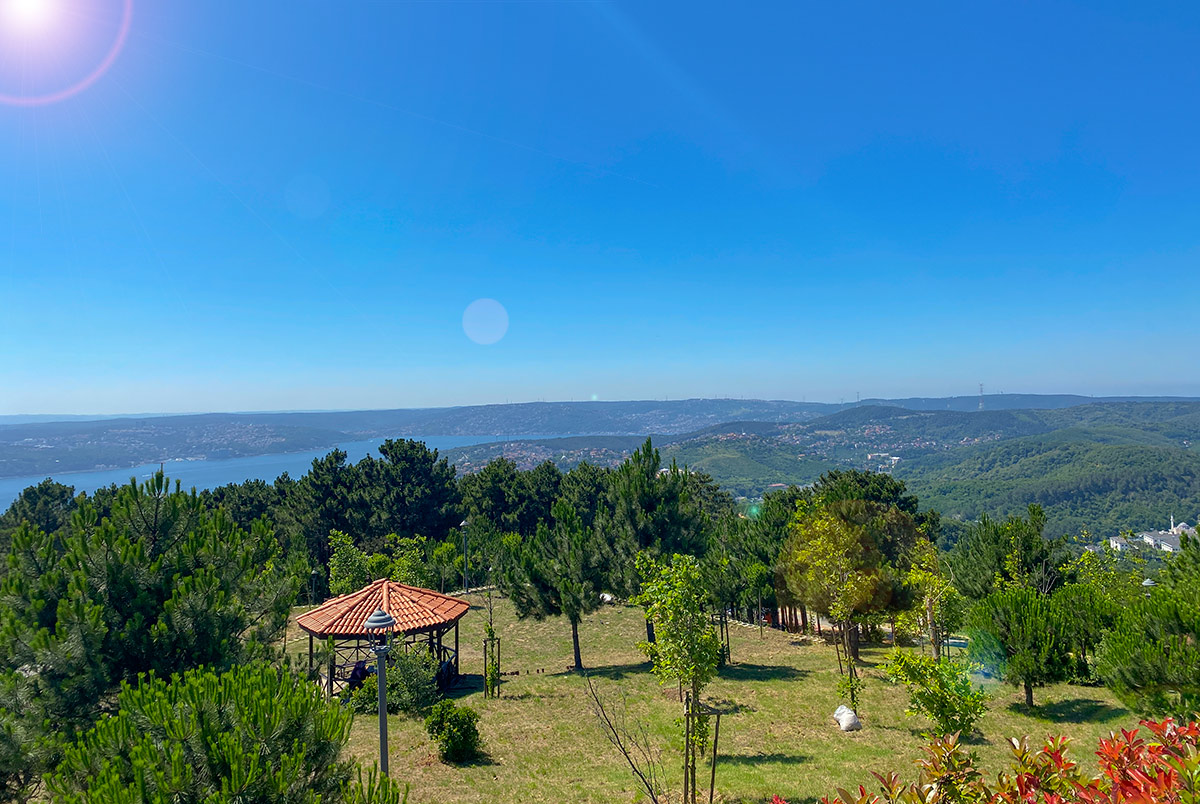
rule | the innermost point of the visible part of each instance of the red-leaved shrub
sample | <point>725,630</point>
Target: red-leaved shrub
<point>1164,769</point>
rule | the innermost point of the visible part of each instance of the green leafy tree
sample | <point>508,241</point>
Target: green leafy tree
<point>687,649</point>
<point>831,563</point>
<point>1019,634</point>
<point>252,734</point>
<point>496,495</point>
<point>939,689</point>
<point>446,562</point>
<point>557,572</point>
<point>349,567</point>
<point>328,498</point>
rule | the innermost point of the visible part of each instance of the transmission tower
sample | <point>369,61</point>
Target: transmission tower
<point>981,396</point>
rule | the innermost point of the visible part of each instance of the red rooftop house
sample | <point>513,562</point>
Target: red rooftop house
<point>423,616</point>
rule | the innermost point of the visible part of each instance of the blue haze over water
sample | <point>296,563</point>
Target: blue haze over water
<point>211,474</point>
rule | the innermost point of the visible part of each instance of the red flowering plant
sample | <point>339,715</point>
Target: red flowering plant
<point>1164,769</point>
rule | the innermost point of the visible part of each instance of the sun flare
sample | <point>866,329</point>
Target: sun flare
<point>29,16</point>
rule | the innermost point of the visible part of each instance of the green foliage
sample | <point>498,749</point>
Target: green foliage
<point>849,688</point>
<point>403,560</point>
<point>446,564</point>
<point>411,685</point>
<point>1151,658</point>
<point>1102,480</point>
<point>1165,769</point>
<point>939,689</point>
<point>557,572</point>
<point>253,734</point>
<point>46,506</point>
<point>162,585</point>
<point>349,567</point>
<point>1086,613</point>
<point>996,555</point>
<point>687,648</point>
<point>509,499</point>
<point>406,491</point>
<point>648,510</point>
<point>1018,634</point>
<point>454,728</point>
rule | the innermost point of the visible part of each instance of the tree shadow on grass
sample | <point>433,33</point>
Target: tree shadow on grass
<point>761,672</point>
<point>617,671</point>
<point>1073,710</point>
<point>755,759</point>
<point>466,684</point>
<point>480,760</point>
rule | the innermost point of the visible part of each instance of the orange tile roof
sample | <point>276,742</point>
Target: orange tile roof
<point>414,609</point>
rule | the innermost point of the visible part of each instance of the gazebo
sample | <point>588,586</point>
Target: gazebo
<point>423,616</point>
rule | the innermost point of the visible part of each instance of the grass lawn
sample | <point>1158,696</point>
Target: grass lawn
<point>544,745</point>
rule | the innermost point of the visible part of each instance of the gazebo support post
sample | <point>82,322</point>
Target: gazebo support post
<point>310,653</point>
<point>455,647</point>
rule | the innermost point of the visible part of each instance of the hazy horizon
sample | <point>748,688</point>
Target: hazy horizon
<point>837,401</point>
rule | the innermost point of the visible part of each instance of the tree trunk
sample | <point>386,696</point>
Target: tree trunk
<point>695,708</point>
<point>851,634</point>
<point>1029,694</point>
<point>649,630</point>
<point>934,637</point>
<point>803,619</point>
<point>575,643</point>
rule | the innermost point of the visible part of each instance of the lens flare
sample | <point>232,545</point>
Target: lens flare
<point>35,26</point>
<point>29,16</point>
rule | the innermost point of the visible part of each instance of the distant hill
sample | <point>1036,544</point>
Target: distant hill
<point>1104,466</point>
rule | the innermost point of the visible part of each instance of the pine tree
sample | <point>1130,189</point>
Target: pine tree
<point>1151,659</point>
<point>1018,634</point>
<point>557,572</point>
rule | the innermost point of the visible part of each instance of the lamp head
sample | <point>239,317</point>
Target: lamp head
<point>378,623</point>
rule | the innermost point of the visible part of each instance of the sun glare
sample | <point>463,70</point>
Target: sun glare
<point>29,16</point>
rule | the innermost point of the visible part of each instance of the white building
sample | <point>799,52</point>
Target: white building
<point>1166,540</point>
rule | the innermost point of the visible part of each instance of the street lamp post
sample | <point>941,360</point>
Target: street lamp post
<point>312,586</point>
<point>376,626</point>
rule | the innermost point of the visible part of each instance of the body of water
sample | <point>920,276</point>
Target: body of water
<point>211,474</point>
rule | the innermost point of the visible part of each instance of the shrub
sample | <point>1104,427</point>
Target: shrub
<point>253,734</point>
<point>454,729</point>
<point>940,690</point>
<point>1163,770</point>
<point>412,686</point>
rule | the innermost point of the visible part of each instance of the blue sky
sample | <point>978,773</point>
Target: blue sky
<point>290,205</point>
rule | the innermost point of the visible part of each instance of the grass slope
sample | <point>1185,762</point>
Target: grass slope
<point>543,744</point>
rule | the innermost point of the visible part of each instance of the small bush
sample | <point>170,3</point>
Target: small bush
<point>412,686</point>
<point>1164,769</point>
<point>940,690</point>
<point>455,731</point>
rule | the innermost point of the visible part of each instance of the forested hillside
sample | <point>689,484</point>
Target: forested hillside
<point>1103,467</point>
